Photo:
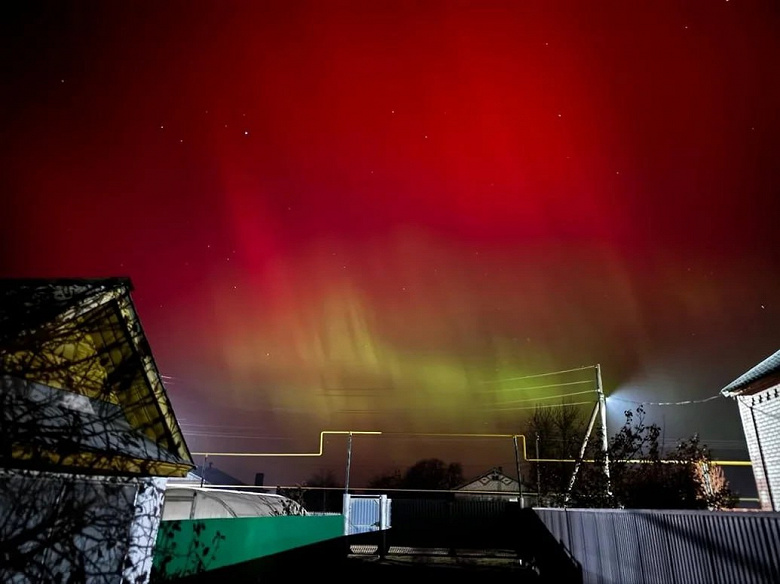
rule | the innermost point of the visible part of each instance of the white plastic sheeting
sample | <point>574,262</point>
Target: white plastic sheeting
<point>184,502</point>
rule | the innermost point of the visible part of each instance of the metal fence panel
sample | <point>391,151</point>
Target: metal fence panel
<point>669,547</point>
<point>628,549</point>
<point>688,545</point>
<point>458,523</point>
<point>610,553</point>
<point>604,546</point>
<point>366,513</point>
<point>654,550</point>
<point>732,540</point>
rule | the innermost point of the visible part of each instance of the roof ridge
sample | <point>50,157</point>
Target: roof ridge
<point>763,369</point>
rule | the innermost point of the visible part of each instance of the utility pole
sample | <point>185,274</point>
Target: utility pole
<point>584,445</point>
<point>599,408</point>
<point>538,473</point>
<point>206,466</point>
<point>519,474</point>
<point>346,506</point>
<point>604,436</point>
<point>349,463</point>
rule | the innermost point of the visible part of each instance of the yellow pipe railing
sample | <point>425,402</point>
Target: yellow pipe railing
<point>451,435</point>
<point>319,453</point>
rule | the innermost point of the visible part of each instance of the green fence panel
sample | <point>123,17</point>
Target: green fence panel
<point>193,546</point>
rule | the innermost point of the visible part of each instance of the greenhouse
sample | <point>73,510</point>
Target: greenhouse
<point>185,502</point>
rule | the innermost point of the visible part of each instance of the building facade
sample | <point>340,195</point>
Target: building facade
<point>758,394</point>
<point>88,436</point>
<point>493,485</point>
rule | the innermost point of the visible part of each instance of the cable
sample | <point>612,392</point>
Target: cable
<point>541,374</point>
<point>539,406</point>
<point>220,426</point>
<point>679,403</point>
<point>538,386</point>
<point>517,401</point>
<point>223,435</point>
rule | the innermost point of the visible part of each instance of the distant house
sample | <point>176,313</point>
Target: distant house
<point>758,394</point>
<point>209,476</point>
<point>493,485</point>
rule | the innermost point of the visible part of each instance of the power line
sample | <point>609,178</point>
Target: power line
<point>517,401</point>
<point>232,427</point>
<point>541,374</point>
<point>541,386</point>
<point>679,403</point>
<point>224,435</point>
<point>539,406</point>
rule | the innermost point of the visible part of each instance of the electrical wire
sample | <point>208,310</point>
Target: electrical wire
<point>539,406</point>
<point>539,386</point>
<point>541,374</point>
<point>224,435</point>
<point>531,399</point>
<point>220,426</point>
<point>678,403</point>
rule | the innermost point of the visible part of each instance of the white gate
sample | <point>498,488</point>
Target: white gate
<point>365,513</point>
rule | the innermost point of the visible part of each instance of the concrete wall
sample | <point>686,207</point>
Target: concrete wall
<point>64,527</point>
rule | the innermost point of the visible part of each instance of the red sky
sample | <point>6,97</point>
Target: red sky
<point>370,215</point>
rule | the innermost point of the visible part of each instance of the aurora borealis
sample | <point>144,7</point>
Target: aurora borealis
<point>371,215</point>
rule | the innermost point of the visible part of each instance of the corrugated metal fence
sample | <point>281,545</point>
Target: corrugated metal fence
<point>599,546</point>
<point>668,547</point>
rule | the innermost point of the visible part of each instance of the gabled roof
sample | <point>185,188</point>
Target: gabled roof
<point>214,476</point>
<point>747,382</point>
<point>493,480</point>
<point>79,386</point>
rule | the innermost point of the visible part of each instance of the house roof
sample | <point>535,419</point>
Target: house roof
<point>493,480</point>
<point>80,387</point>
<point>214,476</point>
<point>46,419</point>
<point>769,367</point>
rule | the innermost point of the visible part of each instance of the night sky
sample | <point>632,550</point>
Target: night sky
<point>378,215</point>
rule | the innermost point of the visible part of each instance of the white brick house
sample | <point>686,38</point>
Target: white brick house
<point>493,485</point>
<point>758,394</point>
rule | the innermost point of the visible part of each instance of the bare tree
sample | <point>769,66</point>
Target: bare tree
<point>424,475</point>
<point>323,492</point>
<point>642,477</point>
<point>560,431</point>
